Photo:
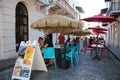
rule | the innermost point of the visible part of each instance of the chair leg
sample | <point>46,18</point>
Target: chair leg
<point>91,51</point>
<point>72,62</point>
<point>101,52</point>
<point>78,57</point>
<point>107,51</point>
<point>84,52</point>
<point>55,63</point>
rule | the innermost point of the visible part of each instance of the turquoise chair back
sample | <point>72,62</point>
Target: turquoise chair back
<point>77,53</point>
<point>71,55</point>
<point>49,53</point>
<point>78,47</point>
<point>69,46</point>
<point>73,51</point>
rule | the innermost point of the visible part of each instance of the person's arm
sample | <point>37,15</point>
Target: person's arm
<point>42,45</point>
<point>45,45</point>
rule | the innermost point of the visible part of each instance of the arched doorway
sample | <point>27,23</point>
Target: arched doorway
<point>21,24</point>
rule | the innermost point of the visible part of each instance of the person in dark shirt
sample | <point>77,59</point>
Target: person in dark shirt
<point>90,41</point>
<point>47,42</point>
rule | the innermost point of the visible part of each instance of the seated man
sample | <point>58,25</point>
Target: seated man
<point>47,42</point>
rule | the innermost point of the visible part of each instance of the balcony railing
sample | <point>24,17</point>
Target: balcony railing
<point>66,6</point>
<point>114,9</point>
<point>63,4</point>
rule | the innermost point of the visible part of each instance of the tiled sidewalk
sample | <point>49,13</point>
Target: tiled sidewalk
<point>88,69</point>
<point>7,63</point>
<point>115,51</point>
<point>6,67</point>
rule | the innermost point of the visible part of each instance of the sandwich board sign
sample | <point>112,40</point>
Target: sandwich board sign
<point>29,58</point>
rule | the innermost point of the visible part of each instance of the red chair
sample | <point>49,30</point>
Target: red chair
<point>105,50</point>
<point>88,48</point>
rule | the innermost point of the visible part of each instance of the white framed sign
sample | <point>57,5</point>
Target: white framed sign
<point>29,58</point>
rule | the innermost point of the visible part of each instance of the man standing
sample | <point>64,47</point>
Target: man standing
<point>61,39</point>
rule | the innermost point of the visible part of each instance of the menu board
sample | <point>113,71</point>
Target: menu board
<point>24,62</point>
<point>22,68</point>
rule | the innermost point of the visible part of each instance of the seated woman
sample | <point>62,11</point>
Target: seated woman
<point>40,41</point>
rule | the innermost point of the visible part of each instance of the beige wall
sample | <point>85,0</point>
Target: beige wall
<point>8,29</point>
<point>7,26</point>
<point>115,35</point>
<point>0,29</point>
<point>119,34</point>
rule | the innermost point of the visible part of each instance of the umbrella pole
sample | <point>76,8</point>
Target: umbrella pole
<point>97,50</point>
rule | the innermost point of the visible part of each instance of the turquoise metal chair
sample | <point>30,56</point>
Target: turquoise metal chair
<point>77,53</point>
<point>49,53</point>
<point>70,55</point>
<point>69,46</point>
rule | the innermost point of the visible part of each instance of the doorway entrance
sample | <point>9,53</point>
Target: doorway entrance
<point>21,24</point>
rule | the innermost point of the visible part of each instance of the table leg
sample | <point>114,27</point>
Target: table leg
<point>96,57</point>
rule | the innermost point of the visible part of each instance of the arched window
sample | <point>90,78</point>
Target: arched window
<point>21,24</point>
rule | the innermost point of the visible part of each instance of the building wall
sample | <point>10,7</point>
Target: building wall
<point>7,26</point>
<point>7,29</point>
<point>0,28</point>
<point>115,35</point>
<point>119,34</point>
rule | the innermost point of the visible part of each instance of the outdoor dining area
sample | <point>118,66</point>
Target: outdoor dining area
<point>68,53</point>
<point>63,25</point>
<point>80,57</point>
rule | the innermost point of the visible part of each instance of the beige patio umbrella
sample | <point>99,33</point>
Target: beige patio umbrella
<point>80,33</point>
<point>56,24</point>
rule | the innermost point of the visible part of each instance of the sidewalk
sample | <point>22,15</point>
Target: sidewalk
<point>6,67</point>
<point>115,51</point>
<point>4,64</point>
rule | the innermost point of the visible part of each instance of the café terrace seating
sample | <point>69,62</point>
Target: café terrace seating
<point>72,53</point>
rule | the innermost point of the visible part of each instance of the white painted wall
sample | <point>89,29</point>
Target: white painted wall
<point>7,29</point>
<point>7,26</point>
<point>34,15</point>
<point>0,30</point>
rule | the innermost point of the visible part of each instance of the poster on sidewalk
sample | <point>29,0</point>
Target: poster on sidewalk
<point>29,58</point>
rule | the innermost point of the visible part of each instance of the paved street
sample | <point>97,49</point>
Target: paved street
<point>88,69</point>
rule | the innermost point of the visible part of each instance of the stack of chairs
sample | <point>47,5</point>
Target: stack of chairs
<point>73,52</point>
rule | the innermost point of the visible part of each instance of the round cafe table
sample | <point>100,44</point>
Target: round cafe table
<point>96,47</point>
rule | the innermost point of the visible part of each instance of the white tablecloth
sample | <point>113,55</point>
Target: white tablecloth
<point>95,45</point>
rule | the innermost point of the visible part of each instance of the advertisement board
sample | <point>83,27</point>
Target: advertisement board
<point>26,54</point>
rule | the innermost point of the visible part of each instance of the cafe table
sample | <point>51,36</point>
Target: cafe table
<point>59,48</point>
<point>96,48</point>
